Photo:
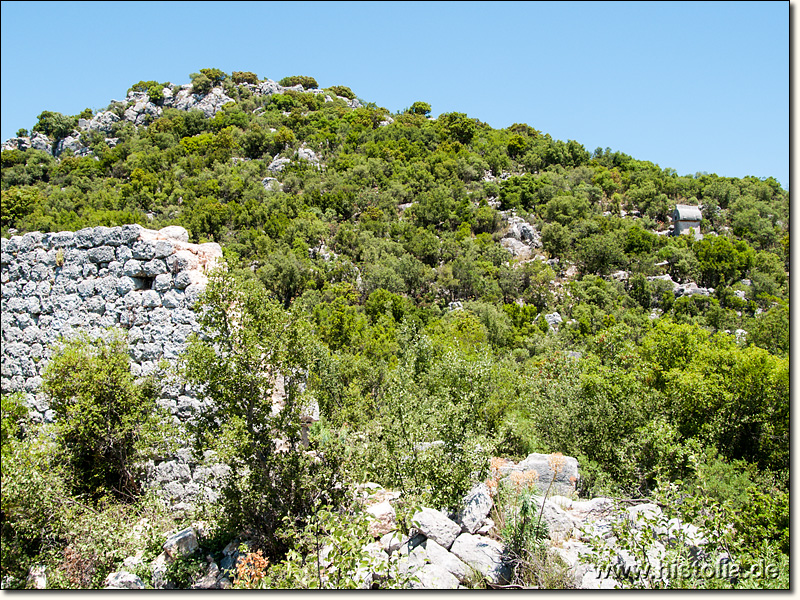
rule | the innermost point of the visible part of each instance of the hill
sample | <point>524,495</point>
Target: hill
<point>449,292</point>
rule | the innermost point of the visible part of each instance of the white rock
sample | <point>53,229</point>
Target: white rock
<point>183,542</point>
<point>477,505</point>
<point>447,560</point>
<point>436,526</point>
<point>434,577</point>
<point>483,554</point>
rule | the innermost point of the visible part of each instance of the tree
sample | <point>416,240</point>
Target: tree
<point>250,345</point>
<point>556,239</point>
<point>244,77</point>
<point>420,108</point>
<point>599,254</point>
<point>457,126</point>
<point>17,203</point>
<point>215,76</point>
<point>343,91</point>
<point>104,415</point>
<point>308,83</point>
<point>722,261</point>
<point>200,84</point>
<point>55,125</point>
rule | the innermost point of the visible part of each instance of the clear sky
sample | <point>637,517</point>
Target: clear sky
<point>693,86</point>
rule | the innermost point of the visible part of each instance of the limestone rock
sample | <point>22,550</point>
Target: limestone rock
<point>566,480</point>
<point>278,165</point>
<point>122,580</point>
<point>483,554</point>
<point>181,543</point>
<point>436,526</point>
<point>383,520</point>
<point>434,577</point>
<point>477,505</point>
<point>447,560</point>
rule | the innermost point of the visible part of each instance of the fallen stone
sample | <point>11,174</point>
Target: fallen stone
<point>484,555</point>
<point>436,526</point>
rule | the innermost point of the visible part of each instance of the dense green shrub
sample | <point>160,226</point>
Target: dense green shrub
<point>244,77</point>
<point>308,83</point>
<point>343,91</point>
<point>107,422</point>
<point>55,125</point>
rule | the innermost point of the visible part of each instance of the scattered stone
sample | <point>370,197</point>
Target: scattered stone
<point>182,543</point>
<point>477,506</point>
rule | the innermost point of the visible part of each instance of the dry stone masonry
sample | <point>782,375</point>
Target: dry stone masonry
<point>142,282</point>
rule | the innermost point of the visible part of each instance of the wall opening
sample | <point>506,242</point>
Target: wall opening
<point>143,283</point>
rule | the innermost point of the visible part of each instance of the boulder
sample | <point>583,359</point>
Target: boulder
<point>447,560</point>
<point>383,520</point>
<point>483,554</point>
<point>434,577</point>
<point>436,526</point>
<point>477,505</point>
<point>565,481</point>
<point>122,580</point>
<point>182,543</point>
<point>517,248</point>
<point>278,165</point>
<point>174,232</point>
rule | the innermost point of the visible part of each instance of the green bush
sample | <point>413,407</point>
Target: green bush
<point>107,422</point>
<point>55,125</point>
<point>420,108</point>
<point>343,91</point>
<point>308,83</point>
<point>249,343</point>
<point>244,77</point>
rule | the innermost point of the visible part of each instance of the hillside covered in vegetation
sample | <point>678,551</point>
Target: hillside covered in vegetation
<point>494,292</point>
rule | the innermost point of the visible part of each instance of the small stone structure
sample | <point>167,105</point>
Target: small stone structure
<point>686,217</point>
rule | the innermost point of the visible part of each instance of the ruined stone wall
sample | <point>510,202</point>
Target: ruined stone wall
<point>140,281</point>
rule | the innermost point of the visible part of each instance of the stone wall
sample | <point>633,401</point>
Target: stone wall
<point>143,282</point>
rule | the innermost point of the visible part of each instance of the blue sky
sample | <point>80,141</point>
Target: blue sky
<point>692,86</point>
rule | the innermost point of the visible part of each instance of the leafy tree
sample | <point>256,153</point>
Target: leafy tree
<point>457,126</point>
<point>420,108</point>
<point>250,344</point>
<point>722,260</point>
<point>55,125</point>
<point>215,76</point>
<point>18,203</point>
<point>244,77</point>
<point>556,239</point>
<point>343,91</point>
<point>107,420</point>
<point>201,84</point>
<point>599,254</point>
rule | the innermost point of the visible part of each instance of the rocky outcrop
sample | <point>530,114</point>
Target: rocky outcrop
<point>140,109</point>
